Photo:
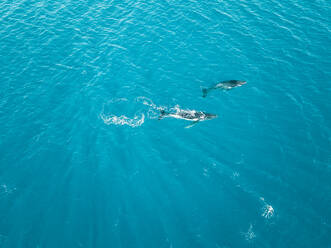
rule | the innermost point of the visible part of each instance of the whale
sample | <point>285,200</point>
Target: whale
<point>224,85</point>
<point>188,115</point>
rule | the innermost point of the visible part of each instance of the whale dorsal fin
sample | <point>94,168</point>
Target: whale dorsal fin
<point>162,114</point>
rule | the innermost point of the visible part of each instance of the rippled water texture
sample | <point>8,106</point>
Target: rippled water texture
<point>85,162</point>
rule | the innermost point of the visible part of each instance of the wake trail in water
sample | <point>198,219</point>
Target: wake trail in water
<point>121,111</point>
<point>136,121</point>
<point>153,107</point>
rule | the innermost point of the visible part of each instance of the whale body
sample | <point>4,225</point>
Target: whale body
<point>224,85</point>
<point>189,115</point>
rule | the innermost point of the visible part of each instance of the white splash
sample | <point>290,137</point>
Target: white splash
<point>6,190</point>
<point>153,111</point>
<point>249,235</point>
<point>111,113</point>
<point>122,120</point>
<point>268,210</point>
<point>148,102</point>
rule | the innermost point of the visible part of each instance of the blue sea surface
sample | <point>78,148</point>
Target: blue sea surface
<point>85,162</point>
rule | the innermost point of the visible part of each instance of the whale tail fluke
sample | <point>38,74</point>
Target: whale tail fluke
<point>204,92</point>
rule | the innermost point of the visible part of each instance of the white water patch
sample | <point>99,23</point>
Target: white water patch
<point>153,111</point>
<point>122,120</point>
<point>6,190</point>
<point>267,210</point>
<point>121,112</point>
<point>129,112</point>
<point>249,235</point>
<point>148,102</point>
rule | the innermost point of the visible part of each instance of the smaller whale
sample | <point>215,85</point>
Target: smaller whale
<point>224,85</point>
<point>189,115</point>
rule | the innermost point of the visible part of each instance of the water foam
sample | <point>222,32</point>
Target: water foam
<point>122,120</point>
<point>249,235</point>
<point>153,111</point>
<point>133,113</point>
<point>268,210</point>
<point>148,109</point>
<point>112,113</point>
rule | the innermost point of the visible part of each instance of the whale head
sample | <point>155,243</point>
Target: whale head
<point>209,116</point>
<point>237,83</point>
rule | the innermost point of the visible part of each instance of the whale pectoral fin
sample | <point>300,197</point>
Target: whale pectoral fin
<point>192,124</point>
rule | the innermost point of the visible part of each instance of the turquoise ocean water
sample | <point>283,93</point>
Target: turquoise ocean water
<point>84,161</point>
